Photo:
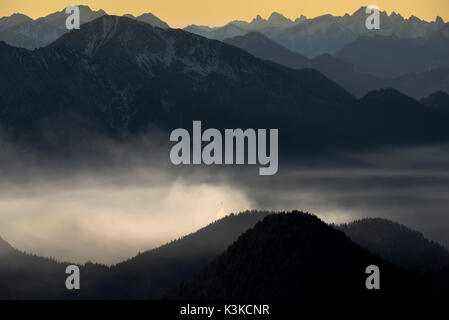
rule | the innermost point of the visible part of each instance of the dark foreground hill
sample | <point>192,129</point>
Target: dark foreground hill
<point>287,256</point>
<point>438,100</point>
<point>397,243</point>
<point>296,256</point>
<point>27,276</point>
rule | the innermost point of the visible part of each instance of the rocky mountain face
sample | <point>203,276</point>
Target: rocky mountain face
<point>391,56</point>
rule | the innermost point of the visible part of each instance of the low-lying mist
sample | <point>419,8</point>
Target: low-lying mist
<point>104,201</point>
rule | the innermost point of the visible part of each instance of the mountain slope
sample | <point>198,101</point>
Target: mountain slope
<point>295,256</point>
<point>123,74</point>
<point>153,20</point>
<point>151,273</point>
<point>22,31</point>
<point>341,72</point>
<point>118,76</point>
<point>146,276</point>
<point>264,48</point>
<point>390,56</point>
<point>326,34</point>
<point>27,276</point>
<point>398,244</point>
<point>386,107</point>
<point>416,85</point>
<point>437,100</point>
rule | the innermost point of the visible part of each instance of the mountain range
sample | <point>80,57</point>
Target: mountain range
<point>117,76</point>
<point>296,256</point>
<point>415,84</point>
<point>402,46</point>
<point>391,56</point>
<point>21,31</point>
<point>275,249</point>
<point>438,100</point>
<point>324,34</point>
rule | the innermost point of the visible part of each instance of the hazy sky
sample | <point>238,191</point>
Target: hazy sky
<point>179,13</point>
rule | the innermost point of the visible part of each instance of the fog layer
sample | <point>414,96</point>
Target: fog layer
<point>107,201</point>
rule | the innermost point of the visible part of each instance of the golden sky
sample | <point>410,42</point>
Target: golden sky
<point>179,13</point>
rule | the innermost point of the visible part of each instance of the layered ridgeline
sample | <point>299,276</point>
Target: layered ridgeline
<point>145,276</point>
<point>151,273</point>
<point>118,76</point>
<point>397,243</point>
<point>439,100</point>
<point>416,85</point>
<point>27,276</point>
<point>288,254</point>
<point>391,56</point>
<point>325,34</point>
<point>296,256</point>
<point>20,30</point>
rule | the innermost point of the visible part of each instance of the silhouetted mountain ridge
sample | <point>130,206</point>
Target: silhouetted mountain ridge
<point>296,256</point>
<point>155,271</point>
<point>5,247</point>
<point>397,243</point>
<point>301,239</point>
<point>326,33</point>
<point>118,76</point>
<point>21,31</point>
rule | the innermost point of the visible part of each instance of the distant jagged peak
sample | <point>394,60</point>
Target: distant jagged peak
<point>438,100</point>
<point>258,18</point>
<point>153,20</point>
<point>276,17</point>
<point>414,18</point>
<point>94,35</point>
<point>439,20</point>
<point>300,18</point>
<point>395,14</point>
<point>253,35</point>
<point>15,18</point>
<point>360,12</point>
<point>85,13</point>
<point>87,9</point>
